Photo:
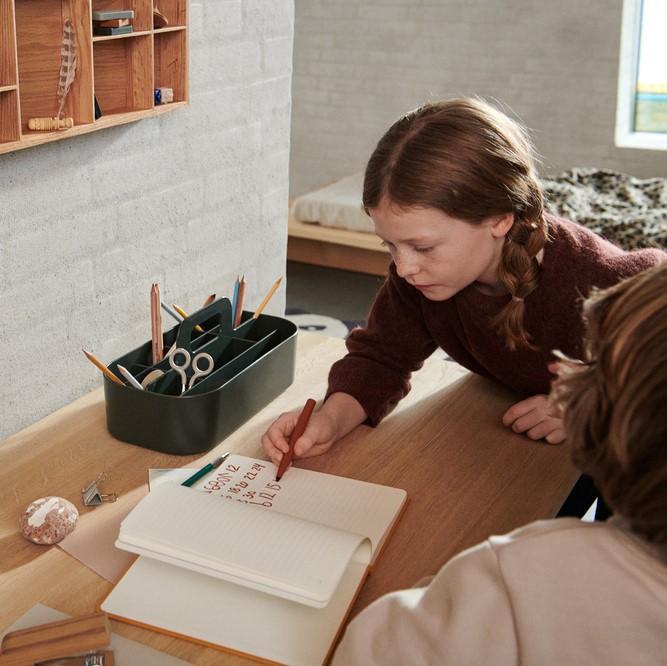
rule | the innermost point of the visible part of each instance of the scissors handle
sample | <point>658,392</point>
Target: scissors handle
<point>180,367</point>
<point>199,369</point>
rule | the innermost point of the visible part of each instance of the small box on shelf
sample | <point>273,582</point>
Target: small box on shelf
<point>142,12</point>
<point>113,22</point>
<point>163,96</point>
<point>107,32</point>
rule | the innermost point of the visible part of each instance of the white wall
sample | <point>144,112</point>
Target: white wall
<point>187,200</point>
<point>359,64</point>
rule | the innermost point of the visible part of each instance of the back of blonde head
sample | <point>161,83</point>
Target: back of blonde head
<point>615,404</point>
<point>469,160</point>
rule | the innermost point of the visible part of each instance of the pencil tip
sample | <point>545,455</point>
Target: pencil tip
<point>277,478</point>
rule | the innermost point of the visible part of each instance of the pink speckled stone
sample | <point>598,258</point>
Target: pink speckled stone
<point>48,520</point>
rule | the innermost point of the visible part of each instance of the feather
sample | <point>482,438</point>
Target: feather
<point>68,63</point>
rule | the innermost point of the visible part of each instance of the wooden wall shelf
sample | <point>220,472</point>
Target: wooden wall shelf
<point>120,71</point>
<point>129,35</point>
<point>173,28</point>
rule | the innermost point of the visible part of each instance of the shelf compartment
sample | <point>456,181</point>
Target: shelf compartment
<point>8,73</point>
<point>123,75</point>
<point>174,10</point>
<point>170,54</point>
<point>39,32</point>
<point>143,11</point>
<point>9,116</point>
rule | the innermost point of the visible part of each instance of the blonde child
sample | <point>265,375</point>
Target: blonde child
<point>478,269</point>
<point>563,591</point>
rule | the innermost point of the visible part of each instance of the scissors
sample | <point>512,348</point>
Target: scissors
<point>201,363</point>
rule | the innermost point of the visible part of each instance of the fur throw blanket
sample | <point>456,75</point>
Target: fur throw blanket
<point>630,212</point>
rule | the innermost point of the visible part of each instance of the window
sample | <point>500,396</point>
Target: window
<point>641,115</point>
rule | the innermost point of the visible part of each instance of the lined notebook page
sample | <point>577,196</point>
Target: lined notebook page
<point>214,611</point>
<point>345,504</point>
<point>267,551</point>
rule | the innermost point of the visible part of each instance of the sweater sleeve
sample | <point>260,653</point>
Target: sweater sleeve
<point>382,356</point>
<point>463,617</point>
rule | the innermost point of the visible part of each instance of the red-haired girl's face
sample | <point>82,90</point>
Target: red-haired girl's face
<point>440,255</point>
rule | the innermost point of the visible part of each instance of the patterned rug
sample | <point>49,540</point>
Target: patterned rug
<point>316,323</point>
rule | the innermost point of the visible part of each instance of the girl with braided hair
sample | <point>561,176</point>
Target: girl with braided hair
<point>479,269</point>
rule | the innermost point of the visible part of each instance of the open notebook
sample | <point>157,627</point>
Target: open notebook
<point>253,566</point>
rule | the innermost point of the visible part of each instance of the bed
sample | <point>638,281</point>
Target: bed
<point>327,227</point>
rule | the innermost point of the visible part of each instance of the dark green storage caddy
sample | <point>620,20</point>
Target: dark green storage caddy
<point>253,364</point>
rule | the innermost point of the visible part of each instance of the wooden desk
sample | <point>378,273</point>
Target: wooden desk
<point>467,477</point>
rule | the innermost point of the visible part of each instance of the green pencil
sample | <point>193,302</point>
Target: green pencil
<point>191,480</point>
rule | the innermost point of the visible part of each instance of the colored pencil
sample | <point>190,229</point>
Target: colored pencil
<point>95,361</point>
<point>299,429</point>
<point>184,314</point>
<point>238,313</point>
<point>170,312</point>
<point>205,470</point>
<point>267,298</point>
<point>156,324</point>
<point>129,376</point>
<point>235,298</point>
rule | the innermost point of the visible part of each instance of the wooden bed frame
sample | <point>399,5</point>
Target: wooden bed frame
<point>357,251</point>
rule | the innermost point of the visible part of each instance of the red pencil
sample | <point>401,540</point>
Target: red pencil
<point>299,428</point>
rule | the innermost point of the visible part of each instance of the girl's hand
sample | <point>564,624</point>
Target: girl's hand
<point>535,417</point>
<point>339,415</point>
<point>317,438</point>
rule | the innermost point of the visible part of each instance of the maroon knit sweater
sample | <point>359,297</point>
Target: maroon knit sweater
<point>404,327</point>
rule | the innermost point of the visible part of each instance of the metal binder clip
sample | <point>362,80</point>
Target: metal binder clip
<point>92,496</point>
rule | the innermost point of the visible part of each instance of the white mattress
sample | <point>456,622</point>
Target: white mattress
<point>337,205</point>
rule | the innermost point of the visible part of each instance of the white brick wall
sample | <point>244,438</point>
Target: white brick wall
<point>358,65</point>
<point>188,200</point>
